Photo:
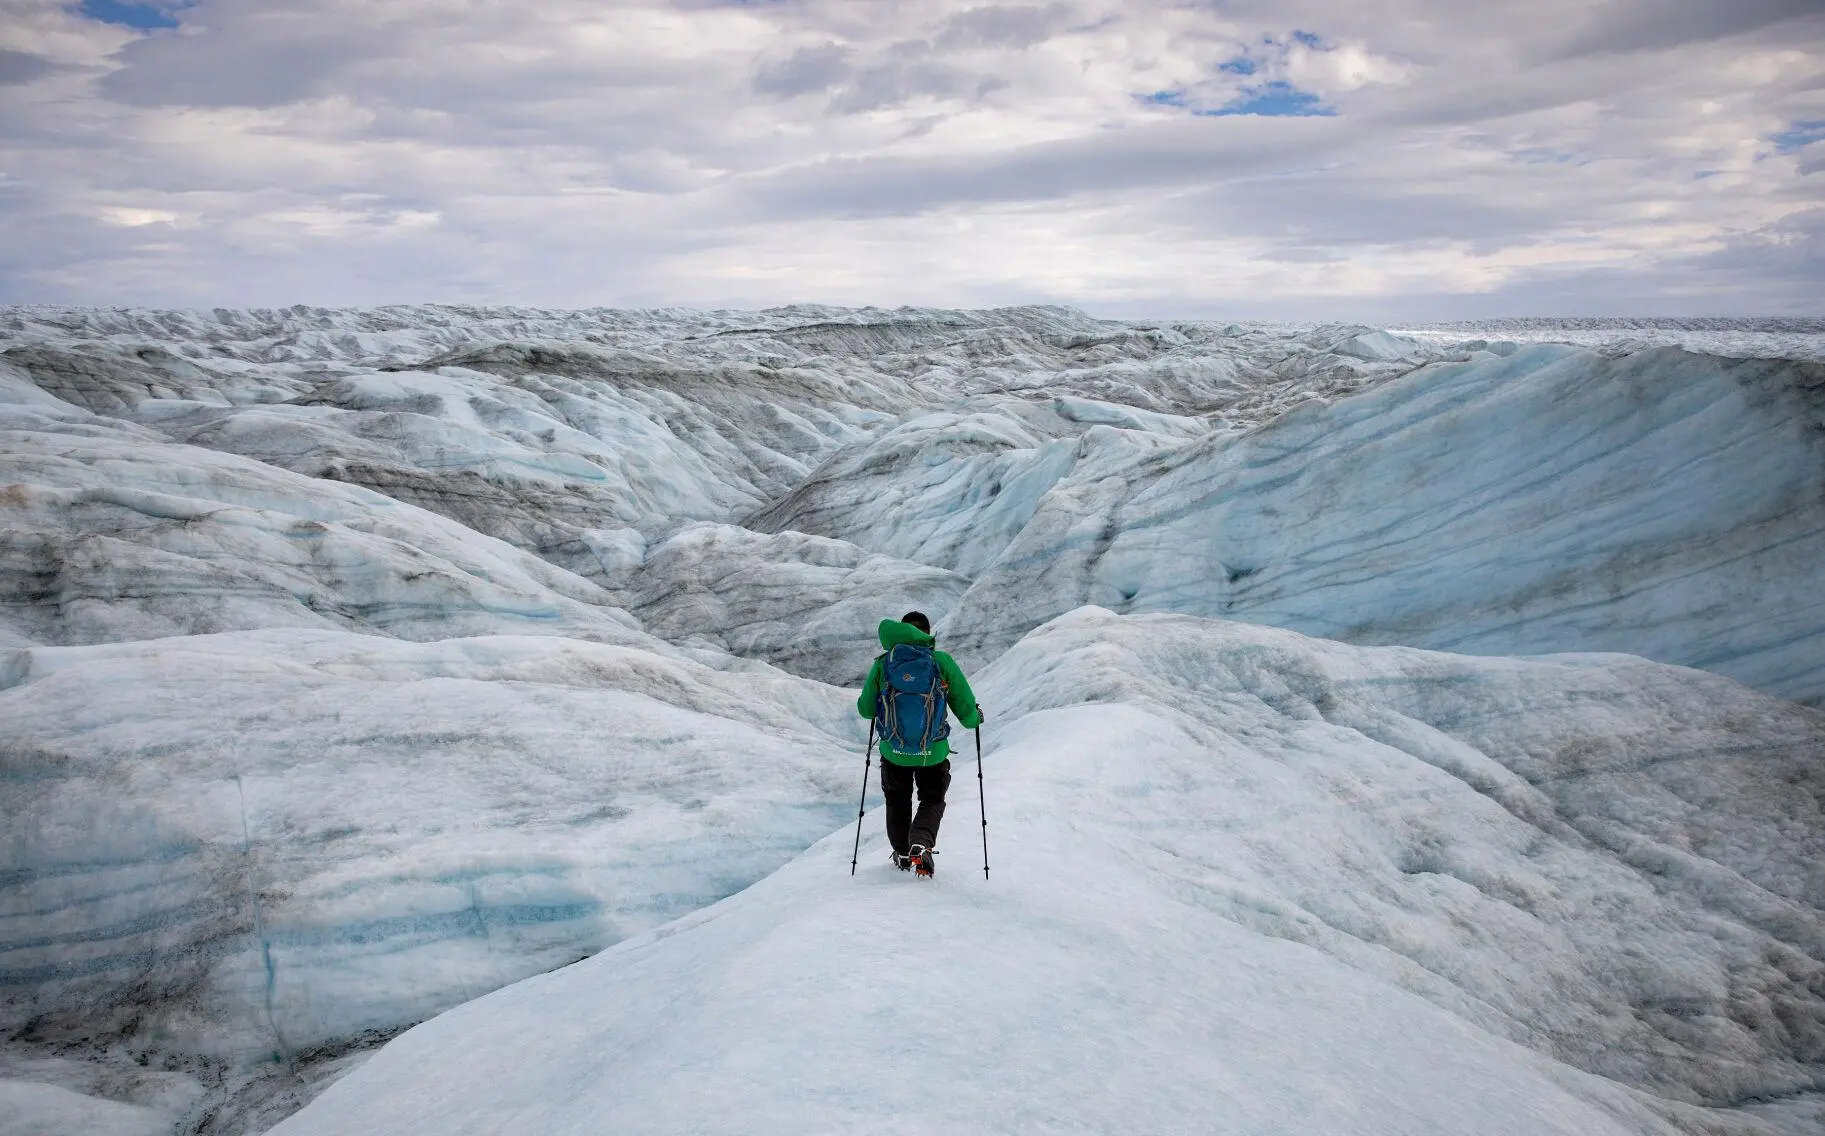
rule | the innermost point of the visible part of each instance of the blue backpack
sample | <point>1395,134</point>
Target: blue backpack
<point>910,709</point>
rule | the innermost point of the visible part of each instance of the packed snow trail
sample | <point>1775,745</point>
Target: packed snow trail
<point>1244,882</point>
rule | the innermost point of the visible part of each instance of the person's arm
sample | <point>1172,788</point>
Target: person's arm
<point>871,690</point>
<point>957,691</point>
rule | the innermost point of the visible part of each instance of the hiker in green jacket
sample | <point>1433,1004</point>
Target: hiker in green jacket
<point>909,690</point>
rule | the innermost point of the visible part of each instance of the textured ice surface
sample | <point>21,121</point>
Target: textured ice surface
<point>112,535</point>
<point>1666,504</point>
<point>1789,338</point>
<point>794,600</point>
<point>356,663</point>
<point>1242,880</point>
<point>282,843</point>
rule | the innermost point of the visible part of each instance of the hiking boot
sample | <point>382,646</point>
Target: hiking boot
<point>902,861</point>
<point>922,860</point>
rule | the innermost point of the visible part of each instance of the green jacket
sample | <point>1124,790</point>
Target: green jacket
<point>957,692</point>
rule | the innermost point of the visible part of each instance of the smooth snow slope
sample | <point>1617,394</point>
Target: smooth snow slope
<point>1244,882</point>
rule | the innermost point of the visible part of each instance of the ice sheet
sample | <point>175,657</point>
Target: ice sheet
<point>1242,881</point>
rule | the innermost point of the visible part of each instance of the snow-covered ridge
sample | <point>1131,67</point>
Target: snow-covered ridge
<point>1240,874</point>
<point>403,653</point>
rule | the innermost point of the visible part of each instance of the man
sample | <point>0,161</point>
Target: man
<point>909,690</point>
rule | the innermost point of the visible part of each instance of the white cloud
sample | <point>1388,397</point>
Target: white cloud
<point>133,218</point>
<point>578,152</point>
<point>1343,67</point>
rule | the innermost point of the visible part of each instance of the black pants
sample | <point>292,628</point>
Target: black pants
<point>904,828</point>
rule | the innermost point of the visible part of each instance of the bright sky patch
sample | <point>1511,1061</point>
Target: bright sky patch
<point>143,16</point>
<point>1799,136</point>
<point>1278,99</point>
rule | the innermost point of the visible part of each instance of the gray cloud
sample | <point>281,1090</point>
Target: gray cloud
<point>1303,216</point>
<point>18,67</point>
<point>1012,26</point>
<point>1532,154</point>
<point>1156,157</point>
<point>1642,25</point>
<point>275,61</point>
<point>1788,256</point>
<point>891,84</point>
<point>806,70</point>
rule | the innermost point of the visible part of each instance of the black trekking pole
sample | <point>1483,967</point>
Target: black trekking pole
<point>982,803</point>
<point>867,764</point>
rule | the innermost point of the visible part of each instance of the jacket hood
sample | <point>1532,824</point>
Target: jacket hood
<point>894,633</point>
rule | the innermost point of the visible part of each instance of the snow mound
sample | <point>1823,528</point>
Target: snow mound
<point>1242,874</point>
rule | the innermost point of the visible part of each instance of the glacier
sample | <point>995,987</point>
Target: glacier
<point>1242,881</point>
<point>356,664</point>
<point>1519,505</point>
<point>251,849</point>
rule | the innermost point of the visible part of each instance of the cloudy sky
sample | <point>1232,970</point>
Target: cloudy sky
<point>1368,159</point>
